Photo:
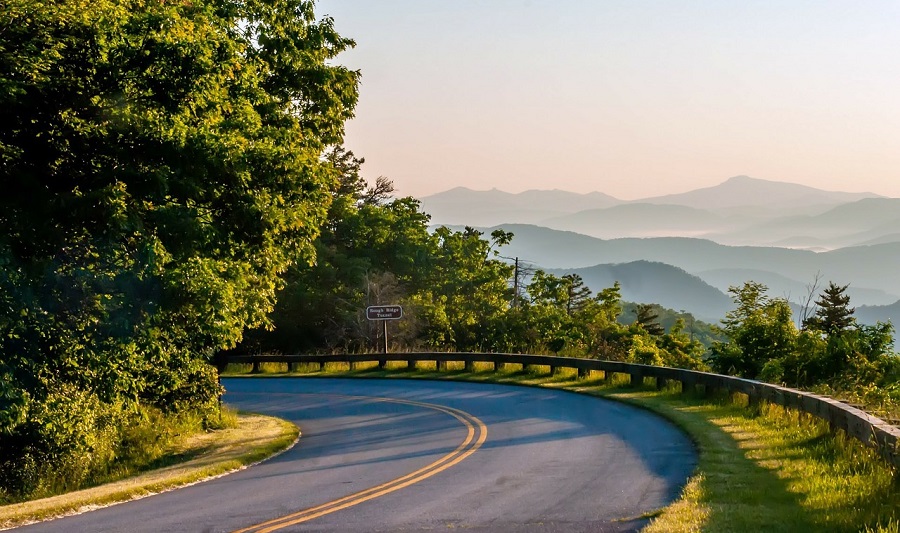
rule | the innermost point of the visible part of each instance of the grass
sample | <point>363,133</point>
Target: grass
<point>252,439</point>
<point>761,468</point>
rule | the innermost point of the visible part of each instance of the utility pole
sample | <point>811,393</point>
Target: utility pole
<point>516,286</point>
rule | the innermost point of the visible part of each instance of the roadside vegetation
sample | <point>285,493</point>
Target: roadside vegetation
<point>761,468</point>
<point>113,445</point>
<point>187,459</point>
<point>162,167</point>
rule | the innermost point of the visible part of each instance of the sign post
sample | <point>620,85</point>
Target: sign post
<point>384,313</point>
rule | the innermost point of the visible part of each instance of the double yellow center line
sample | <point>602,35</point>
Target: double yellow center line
<point>475,437</point>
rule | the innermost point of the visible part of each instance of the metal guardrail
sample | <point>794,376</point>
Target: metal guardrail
<point>871,431</point>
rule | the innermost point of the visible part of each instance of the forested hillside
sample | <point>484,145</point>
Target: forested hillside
<point>659,283</point>
<point>456,290</point>
<point>461,292</point>
<point>864,267</point>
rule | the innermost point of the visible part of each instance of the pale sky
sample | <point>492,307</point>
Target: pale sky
<point>632,98</point>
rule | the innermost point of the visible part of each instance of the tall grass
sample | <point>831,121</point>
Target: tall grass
<point>122,444</point>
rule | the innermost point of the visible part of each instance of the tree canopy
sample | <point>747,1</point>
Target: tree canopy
<point>162,164</point>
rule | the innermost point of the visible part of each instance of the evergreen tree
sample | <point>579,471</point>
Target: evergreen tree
<point>577,294</point>
<point>648,319</point>
<point>834,313</point>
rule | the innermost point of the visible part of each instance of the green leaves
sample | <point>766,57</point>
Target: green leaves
<point>763,342</point>
<point>163,169</point>
<point>760,329</point>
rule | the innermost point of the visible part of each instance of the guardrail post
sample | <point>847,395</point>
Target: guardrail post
<point>688,384</point>
<point>637,378</point>
<point>381,364</point>
<point>470,366</point>
<point>441,366</point>
<point>410,364</point>
<point>552,370</point>
<point>255,369</point>
<point>753,401</point>
<point>661,383</point>
<point>498,366</point>
<point>753,398</point>
<point>582,373</point>
<point>709,390</point>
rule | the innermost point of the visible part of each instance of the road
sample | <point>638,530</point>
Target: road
<point>405,455</point>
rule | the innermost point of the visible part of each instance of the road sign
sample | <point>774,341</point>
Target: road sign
<point>384,312</point>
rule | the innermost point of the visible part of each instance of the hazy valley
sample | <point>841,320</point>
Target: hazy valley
<point>740,211</point>
<point>683,251</point>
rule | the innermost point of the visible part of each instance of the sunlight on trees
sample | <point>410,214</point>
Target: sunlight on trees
<point>162,169</point>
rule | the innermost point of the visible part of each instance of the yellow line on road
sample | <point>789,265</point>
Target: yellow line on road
<point>469,446</point>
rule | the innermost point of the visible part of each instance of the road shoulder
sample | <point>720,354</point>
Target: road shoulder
<point>212,455</point>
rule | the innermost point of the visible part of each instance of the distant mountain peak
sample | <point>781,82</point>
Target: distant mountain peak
<point>746,191</point>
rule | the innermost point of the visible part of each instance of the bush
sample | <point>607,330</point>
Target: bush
<point>67,437</point>
<point>72,440</point>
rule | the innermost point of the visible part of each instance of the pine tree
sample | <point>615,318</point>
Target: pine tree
<point>648,319</point>
<point>577,293</point>
<point>834,313</point>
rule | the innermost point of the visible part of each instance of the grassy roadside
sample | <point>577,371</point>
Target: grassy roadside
<point>203,456</point>
<point>760,469</point>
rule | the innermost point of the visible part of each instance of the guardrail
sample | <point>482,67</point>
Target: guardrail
<point>869,430</point>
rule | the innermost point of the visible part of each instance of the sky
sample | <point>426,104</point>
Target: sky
<point>632,98</point>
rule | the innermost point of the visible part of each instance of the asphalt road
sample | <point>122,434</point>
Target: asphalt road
<point>403,455</point>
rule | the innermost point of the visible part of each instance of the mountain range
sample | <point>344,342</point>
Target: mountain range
<point>739,211</point>
<point>684,251</point>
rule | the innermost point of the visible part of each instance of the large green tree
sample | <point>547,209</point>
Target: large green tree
<point>162,167</point>
<point>759,330</point>
<point>371,247</point>
<point>465,293</point>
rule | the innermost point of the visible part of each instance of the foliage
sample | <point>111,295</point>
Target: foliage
<point>74,440</point>
<point>668,318</point>
<point>456,291</point>
<point>759,330</point>
<point>648,319</point>
<point>832,349</point>
<point>162,169</point>
<point>833,311</point>
<point>577,294</point>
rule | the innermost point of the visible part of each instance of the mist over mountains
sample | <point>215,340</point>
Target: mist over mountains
<point>684,250</point>
<point>739,211</point>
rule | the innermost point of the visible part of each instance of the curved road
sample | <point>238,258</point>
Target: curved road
<point>403,455</point>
